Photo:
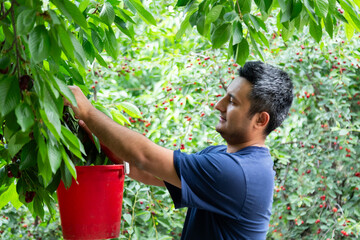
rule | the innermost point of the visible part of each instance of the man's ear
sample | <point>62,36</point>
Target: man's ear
<point>262,119</point>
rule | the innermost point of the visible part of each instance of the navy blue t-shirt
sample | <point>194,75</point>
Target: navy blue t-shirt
<point>228,195</point>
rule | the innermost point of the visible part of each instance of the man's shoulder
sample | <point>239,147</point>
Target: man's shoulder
<point>213,149</point>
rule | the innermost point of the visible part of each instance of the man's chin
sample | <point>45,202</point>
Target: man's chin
<point>218,129</point>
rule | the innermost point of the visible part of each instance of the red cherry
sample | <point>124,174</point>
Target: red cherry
<point>29,196</point>
<point>9,173</point>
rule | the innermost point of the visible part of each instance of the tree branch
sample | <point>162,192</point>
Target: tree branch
<point>15,38</point>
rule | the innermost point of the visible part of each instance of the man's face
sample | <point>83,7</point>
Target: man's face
<point>234,124</point>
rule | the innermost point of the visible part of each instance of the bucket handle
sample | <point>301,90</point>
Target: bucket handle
<point>126,168</point>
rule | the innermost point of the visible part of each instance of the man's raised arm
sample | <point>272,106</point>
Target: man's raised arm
<point>127,144</point>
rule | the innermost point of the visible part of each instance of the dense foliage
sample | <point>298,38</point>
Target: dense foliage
<point>175,84</point>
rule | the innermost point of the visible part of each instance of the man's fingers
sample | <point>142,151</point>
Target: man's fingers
<point>83,125</point>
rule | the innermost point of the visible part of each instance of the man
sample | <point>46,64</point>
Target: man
<point>228,189</point>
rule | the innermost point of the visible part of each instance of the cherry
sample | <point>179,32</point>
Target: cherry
<point>25,82</point>
<point>29,196</point>
<point>10,174</point>
<point>4,71</point>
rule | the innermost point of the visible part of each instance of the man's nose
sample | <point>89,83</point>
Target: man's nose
<point>220,105</point>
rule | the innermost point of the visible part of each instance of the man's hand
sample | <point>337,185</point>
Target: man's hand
<point>83,104</point>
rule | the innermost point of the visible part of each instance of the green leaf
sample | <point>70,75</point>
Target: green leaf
<point>72,142</point>
<point>100,60</point>
<point>130,109</point>
<point>286,33</point>
<point>9,195</point>
<point>79,51</point>
<point>143,13</point>
<point>286,13</point>
<point>127,217</point>
<point>353,19</point>
<point>256,48</point>
<point>221,35</point>
<point>202,27</point>
<point>321,8</point>
<point>111,45</point>
<point>332,5</point>
<point>83,5</point>
<point>89,50</point>
<point>296,9</point>
<point>125,15</point>
<point>38,206</point>
<point>186,24</point>
<point>24,116</point>
<point>28,155</point>
<point>65,91</point>
<point>75,13</point>
<point>315,31</point>
<point>4,62</point>
<point>50,113</point>
<point>55,50</point>
<point>119,118</point>
<point>98,43</point>
<point>68,163</point>
<point>54,183</point>
<point>122,27</point>
<point>25,21</point>
<point>65,40</point>
<point>181,3</point>
<point>43,162</point>
<point>245,6</point>
<point>310,10</point>
<point>54,156</point>
<point>258,23</point>
<point>16,142</point>
<point>230,16</point>
<point>54,17</point>
<point>107,14</point>
<point>343,132</point>
<point>97,143</point>
<point>214,14</point>
<point>263,39</point>
<point>349,31</point>
<point>10,95</point>
<point>329,25</point>
<point>242,52</point>
<point>39,44</point>
<point>237,32</point>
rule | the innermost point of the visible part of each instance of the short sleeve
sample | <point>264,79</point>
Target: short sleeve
<point>212,181</point>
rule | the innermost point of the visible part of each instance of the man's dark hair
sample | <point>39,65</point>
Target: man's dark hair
<point>272,91</point>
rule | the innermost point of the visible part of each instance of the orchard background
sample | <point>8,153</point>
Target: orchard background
<point>173,62</point>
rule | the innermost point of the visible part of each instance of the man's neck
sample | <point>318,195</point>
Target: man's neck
<point>231,148</point>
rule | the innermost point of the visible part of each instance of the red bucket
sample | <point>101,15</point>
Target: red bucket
<point>91,209</point>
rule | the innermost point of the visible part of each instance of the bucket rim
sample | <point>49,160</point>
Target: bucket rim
<point>100,167</point>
